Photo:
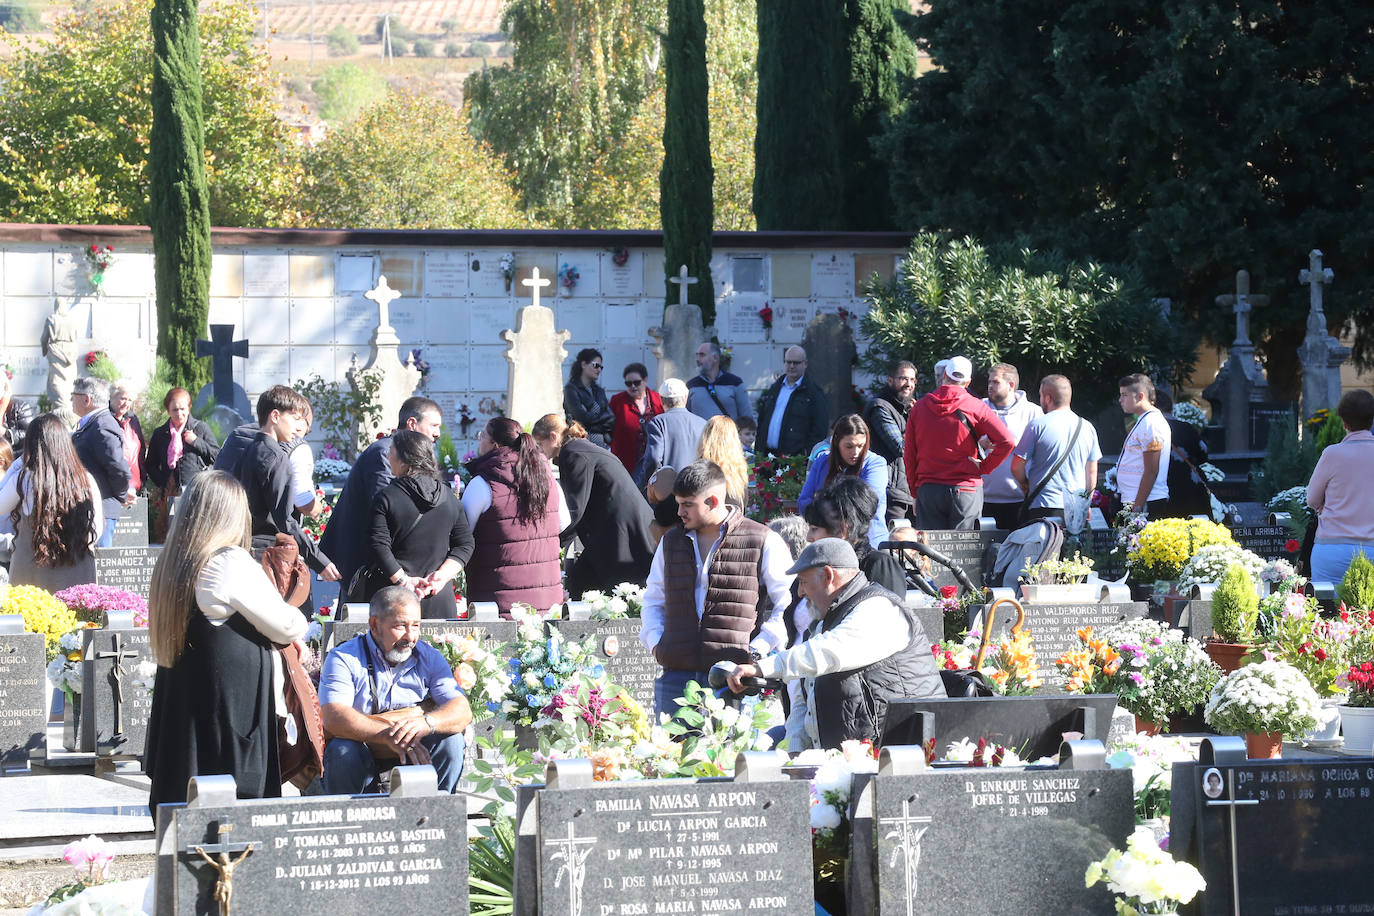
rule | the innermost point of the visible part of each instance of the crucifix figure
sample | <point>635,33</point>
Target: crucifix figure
<point>117,673</point>
<point>535,284</point>
<point>1231,803</point>
<point>223,865</point>
<point>222,348</point>
<point>574,865</point>
<point>908,831</point>
<point>1241,303</point>
<point>1314,277</point>
<point>383,295</point>
<point>683,281</point>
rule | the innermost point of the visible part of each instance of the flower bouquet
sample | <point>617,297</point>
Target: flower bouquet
<point>91,858</point>
<point>778,482</point>
<point>1357,715</point>
<point>479,672</point>
<point>540,667</point>
<point>327,468</point>
<point>1190,413</point>
<point>713,734</point>
<point>1167,673</point>
<point>99,258</point>
<point>1296,633</point>
<point>507,265</point>
<point>65,668</point>
<point>1009,665</point>
<point>568,275</point>
<point>1270,697</point>
<point>42,613</point>
<point>1151,759</point>
<point>1164,546</point>
<point>314,525</point>
<point>980,753</point>
<point>1094,666</point>
<point>1210,563</point>
<point>831,788</point>
<point>625,601</point>
<point>88,602</point>
<point>1145,878</point>
<point>594,719</point>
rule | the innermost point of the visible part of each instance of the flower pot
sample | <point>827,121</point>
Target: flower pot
<point>1074,593</point>
<point>1141,591</point>
<point>1263,745</point>
<point>1357,723</point>
<point>1148,727</point>
<point>1326,733</point>
<point>1227,655</point>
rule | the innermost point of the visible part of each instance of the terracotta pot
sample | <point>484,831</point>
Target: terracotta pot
<point>1263,745</point>
<point>1228,655</point>
<point>1148,727</point>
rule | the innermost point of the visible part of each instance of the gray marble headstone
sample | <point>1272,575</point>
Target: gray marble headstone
<point>115,704</point>
<point>129,568</point>
<point>1040,829</point>
<point>830,354</point>
<point>322,856</point>
<point>131,530</point>
<point>704,847</point>
<point>617,644</point>
<point>682,331</point>
<point>23,698</point>
<point>1054,629</point>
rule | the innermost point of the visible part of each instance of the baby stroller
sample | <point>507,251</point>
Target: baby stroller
<point>1037,542</point>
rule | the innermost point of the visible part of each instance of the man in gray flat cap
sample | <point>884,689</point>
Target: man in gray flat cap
<point>863,650</point>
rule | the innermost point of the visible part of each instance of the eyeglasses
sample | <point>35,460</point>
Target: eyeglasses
<point>905,378</point>
<point>594,365</point>
<point>634,382</point>
<point>794,362</point>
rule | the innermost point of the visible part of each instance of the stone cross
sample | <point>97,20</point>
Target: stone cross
<point>119,653</point>
<point>907,830</point>
<point>383,295</point>
<point>683,281</point>
<point>1241,303</point>
<point>1321,354</point>
<point>222,348</point>
<point>1314,277</point>
<point>1241,381</point>
<point>536,283</point>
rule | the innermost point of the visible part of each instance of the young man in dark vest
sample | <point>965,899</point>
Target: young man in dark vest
<point>864,650</point>
<point>717,587</point>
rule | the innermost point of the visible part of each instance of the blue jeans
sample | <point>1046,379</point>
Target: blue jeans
<point>107,536</point>
<point>1330,561</point>
<point>671,684</point>
<point>350,770</point>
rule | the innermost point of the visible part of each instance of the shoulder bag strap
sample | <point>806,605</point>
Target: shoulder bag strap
<point>371,673</point>
<point>968,424</point>
<point>711,390</point>
<point>1073,440</point>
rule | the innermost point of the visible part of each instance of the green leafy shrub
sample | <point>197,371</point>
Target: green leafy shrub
<point>423,47</point>
<point>345,90</point>
<point>452,49</point>
<point>341,42</point>
<point>1235,606</point>
<point>340,411</point>
<point>479,49</point>
<point>1357,585</point>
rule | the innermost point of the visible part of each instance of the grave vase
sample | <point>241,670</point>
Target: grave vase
<point>1357,724</point>
<point>1062,593</point>
<point>1263,745</point>
<point>71,720</point>
<point>1328,728</point>
<point>1227,655</point>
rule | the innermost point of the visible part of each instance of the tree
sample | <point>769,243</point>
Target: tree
<point>344,90</point>
<point>1039,312</point>
<point>1181,139</point>
<point>77,114</point>
<point>407,162</point>
<point>180,211</point>
<point>423,47</point>
<point>685,183</point>
<point>341,42</point>
<point>20,16</point>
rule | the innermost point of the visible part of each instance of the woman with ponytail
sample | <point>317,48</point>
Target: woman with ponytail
<point>515,511</point>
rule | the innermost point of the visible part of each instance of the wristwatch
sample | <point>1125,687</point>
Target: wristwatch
<point>429,722</point>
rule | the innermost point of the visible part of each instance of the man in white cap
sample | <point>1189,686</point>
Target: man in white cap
<point>864,651</point>
<point>945,465</point>
<point>670,439</point>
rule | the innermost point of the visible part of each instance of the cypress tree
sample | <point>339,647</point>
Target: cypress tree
<point>798,169</point>
<point>179,200</point>
<point>685,199</point>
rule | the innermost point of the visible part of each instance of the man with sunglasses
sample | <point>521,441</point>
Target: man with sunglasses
<point>792,412</point>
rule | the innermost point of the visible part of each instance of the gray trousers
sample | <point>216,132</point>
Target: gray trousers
<point>946,506</point>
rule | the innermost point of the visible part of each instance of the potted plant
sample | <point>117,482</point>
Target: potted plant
<point>1145,878</point>
<point>1060,581</point>
<point>1209,564</point>
<point>1235,611</point>
<point>1356,588</point>
<point>1263,702</point>
<point>1296,632</point>
<point>1163,547</point>
<point>1357,716</point>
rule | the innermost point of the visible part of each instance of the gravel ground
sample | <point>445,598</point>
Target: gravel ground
<point>24,883</point>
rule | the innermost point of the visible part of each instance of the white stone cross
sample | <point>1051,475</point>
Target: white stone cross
<point>535,283</point>
<point>1241,303</point>
<point>1314,277</point>
<point>383,295</point>
<point>683,281</point>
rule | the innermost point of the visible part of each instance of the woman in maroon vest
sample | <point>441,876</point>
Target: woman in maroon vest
<point>513,505</point>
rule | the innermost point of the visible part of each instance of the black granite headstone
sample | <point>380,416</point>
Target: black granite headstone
<point>1054,629</point>
<point>1279,837</point>
<point>115,705</point>
<point>1036,831</point>
<point>672,846</point>
<point>617,645</point>
<point>129,568</point>
<point>1263,416</point>
<point>1268,541</point>
<point>1032,726</point>
<point>23,699</point>
<point>222,390</point>
<point>323,856</point>
<point>131,529</point>
<point>967,549</point>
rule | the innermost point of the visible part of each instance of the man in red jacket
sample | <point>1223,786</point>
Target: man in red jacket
<point>944,464</point>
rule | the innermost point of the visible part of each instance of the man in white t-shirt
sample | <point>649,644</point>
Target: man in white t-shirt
<point>302,459</point>
<point>1141,472</point>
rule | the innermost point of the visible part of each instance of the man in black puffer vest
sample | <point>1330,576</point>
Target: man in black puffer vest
<point>865,651</point>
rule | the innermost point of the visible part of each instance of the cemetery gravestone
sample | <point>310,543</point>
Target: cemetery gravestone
<point>222,390</point>
<point>1263,416</point>
<point>830,353</point>
<point>396,381</point>
<point>967,549</point>
<point>1048,825</point>
<point>1032,726</point>
<point>117,670</point>
<point>1269,541</point>
<point>670,846</point>
<point>1054,628</point>
<point>682,332</point>
<point>316,856</point>
<point>1321,354</point>
<point>131,529</point>
<point>536,357</point>
<point>1241,381</point>
<point>129,568</point>
<point>23,695</point>
<point>625,659</point>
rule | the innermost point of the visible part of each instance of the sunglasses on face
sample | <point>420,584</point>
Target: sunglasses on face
<point>593,365</point>
<point>632,382</point>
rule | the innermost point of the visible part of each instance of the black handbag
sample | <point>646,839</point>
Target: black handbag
<point>971,682</point>
<point>371,578</point>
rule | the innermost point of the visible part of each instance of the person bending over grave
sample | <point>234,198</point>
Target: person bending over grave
<point>1340,494</point>
<point>214,618</point>
<point>54,504</point>
<point>343,540</point>
<point>388,699</point>
<point>99,442</point>
<point>178,450</point>
<point>265,472</point>
<point>865,651</point>
<point>717,587</point>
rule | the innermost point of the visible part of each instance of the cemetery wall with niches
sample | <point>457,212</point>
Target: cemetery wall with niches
<point>297,297</point>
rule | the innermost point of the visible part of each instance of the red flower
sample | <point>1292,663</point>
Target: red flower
<point>1320,655</point>
<point>95,248</point>
<point>949,591</point>
<point>326,610</point>
<point>1292,546</point>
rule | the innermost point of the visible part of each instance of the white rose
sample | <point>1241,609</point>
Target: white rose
<point>824,817</point>
<point>833,776</point>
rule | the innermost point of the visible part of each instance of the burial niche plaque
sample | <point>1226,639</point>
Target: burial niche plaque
<point>23,698</point>
<point>1054,629</point>
<point>129,568</point>
<point>967,549</point>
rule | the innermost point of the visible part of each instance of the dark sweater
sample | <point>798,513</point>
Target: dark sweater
<point>441,533</point>
<point>265,472</point>
<point>610,517</point>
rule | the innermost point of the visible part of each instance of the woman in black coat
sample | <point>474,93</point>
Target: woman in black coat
<point>605,508</point>
<point>419,536</point>
<point>585,402</point>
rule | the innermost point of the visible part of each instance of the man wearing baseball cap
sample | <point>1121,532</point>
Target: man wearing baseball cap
<point>670,439</point>
<point>944,463</point>
<point>863,650</point>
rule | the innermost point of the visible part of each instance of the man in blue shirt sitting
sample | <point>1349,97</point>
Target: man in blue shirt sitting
<point>388,699</point>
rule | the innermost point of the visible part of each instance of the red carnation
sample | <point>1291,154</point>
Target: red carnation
<point>949,591</point>
<point>1320,655</point>
<point>1292,546</point>
<point>95,248</point>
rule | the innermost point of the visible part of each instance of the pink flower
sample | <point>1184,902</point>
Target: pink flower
<point>91,855</point>
<point>465,676</point>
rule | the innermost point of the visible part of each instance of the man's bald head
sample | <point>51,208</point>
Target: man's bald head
<point>794,363</point>
<point>1055,392</point>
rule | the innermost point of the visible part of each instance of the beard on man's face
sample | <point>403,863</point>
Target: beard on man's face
<point>399,652</point>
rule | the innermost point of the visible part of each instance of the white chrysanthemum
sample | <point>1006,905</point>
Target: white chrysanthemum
<point>824,817</point>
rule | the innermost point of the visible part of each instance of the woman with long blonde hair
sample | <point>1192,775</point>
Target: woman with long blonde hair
<point>720,443</point>
<point>213,619</point>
